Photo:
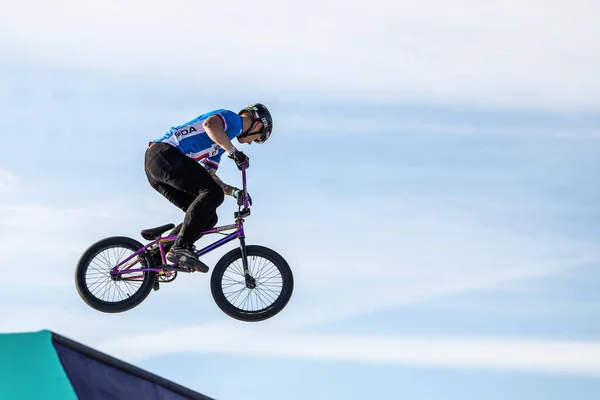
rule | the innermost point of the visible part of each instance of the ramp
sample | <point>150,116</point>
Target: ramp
<point>46,365</point>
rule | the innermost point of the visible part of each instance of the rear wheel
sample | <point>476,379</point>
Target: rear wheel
<point>270,293</point>
<point>103,292</point>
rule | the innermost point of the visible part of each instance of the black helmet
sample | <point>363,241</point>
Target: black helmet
<point>260,113</point>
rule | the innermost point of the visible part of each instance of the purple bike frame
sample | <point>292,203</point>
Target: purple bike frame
<point>239,233</point>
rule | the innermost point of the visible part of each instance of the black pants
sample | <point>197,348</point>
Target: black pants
<point>187,185</point>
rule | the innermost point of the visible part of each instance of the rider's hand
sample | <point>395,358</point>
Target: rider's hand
<point>241,160</point>
<point>239,195</point>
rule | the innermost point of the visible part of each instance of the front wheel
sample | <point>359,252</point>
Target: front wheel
<point>269,293</point>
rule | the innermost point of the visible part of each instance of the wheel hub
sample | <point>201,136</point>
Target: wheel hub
<point>116,277</point>
<point>250,282</point>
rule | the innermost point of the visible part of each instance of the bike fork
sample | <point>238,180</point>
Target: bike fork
<point>250,281</point>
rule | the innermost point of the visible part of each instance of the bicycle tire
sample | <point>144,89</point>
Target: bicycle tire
<point>87,257</point>
<point>258,315</point>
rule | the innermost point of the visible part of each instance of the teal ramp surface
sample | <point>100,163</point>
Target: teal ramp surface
<point>31,369</point>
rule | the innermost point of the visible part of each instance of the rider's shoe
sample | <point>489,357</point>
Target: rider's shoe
<point>185,255</point>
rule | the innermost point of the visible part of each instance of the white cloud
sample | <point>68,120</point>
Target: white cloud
<point>562,357</point>
<point>358,124</point>
<point>511,53</point>
<point>48,239</point>
<point>8,182</point>
<point>64,313</point>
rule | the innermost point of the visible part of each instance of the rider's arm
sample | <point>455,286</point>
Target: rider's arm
<point>215,130</point>
<point>229,190</point>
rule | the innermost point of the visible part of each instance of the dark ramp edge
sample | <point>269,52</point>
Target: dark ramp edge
<point>98,376</point>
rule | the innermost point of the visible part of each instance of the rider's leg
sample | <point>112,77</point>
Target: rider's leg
<point>186,184</point>
<point>183,201</point>
<point>200,215</point>
<point>172,173</point>
<point>180,199</point>
<point>188,203</point>
<point>211,224</point>
<point>182,251</point>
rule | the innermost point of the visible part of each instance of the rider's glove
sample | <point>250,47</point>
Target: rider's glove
<point>239,195</point>
<point>241,160</point>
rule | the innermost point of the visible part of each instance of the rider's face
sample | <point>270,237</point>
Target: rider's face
<point>250,138</point>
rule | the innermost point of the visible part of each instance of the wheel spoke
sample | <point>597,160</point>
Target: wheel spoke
<point>98,278</point>
<point>269,284</point>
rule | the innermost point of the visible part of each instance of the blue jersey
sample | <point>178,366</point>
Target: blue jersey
<point>194,142</point>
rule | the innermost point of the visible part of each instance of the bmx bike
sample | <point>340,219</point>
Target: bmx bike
<point>250,283</point>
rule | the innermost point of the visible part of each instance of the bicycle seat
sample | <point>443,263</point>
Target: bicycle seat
<point>153,233</point>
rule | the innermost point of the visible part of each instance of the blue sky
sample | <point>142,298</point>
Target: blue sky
<point>432,180</point>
